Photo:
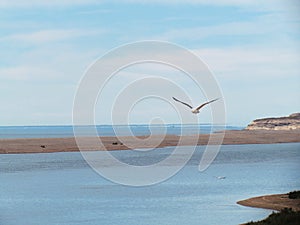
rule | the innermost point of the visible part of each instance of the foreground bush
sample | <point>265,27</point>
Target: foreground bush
<point>294,195</point>
<point>284,217</point>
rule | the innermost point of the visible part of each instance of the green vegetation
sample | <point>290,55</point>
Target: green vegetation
<point>284,217</point>
<point>294,195</point>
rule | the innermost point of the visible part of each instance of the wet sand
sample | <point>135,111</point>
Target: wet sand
<point>274,202</point>
<point>43,145</point>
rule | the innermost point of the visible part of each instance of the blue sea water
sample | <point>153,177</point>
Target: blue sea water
<point>8,132</point>
<point>60,188</point>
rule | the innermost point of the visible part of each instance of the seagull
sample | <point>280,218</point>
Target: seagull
<point>195,110</point>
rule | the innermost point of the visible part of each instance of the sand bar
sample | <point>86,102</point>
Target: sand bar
<point>43,145</point>
<point>274,202</point>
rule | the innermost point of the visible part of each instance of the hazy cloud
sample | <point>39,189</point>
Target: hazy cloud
<point>50,35</point>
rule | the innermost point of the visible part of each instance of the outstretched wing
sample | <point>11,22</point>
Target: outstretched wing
<point>206,103</point>
<point>183,103</point>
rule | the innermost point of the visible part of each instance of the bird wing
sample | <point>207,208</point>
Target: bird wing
<point>183,103</point>
<point>204,104</point>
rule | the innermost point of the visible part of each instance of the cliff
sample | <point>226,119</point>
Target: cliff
<point>291,122</point>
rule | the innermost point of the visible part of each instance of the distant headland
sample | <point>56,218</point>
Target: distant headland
<point>261,131</point>
<point>291,122</point>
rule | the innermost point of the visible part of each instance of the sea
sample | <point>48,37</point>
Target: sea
<point>62,189</point>
<point>11,132</point>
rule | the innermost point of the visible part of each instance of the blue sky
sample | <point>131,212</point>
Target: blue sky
<point>46,46</point>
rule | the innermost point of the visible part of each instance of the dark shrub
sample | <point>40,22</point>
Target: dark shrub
<point>284,217</point>
<point>294,195</point>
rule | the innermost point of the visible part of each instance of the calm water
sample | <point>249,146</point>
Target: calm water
<point>106,130</point>
<point>60,188</point>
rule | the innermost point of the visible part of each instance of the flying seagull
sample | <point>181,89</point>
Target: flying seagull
<point>220,177</point>
<point>195,110</point>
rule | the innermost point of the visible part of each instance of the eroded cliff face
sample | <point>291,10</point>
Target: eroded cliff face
<point>291,122</point>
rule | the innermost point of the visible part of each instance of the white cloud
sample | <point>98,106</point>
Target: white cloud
<point>257,81</point>
<point>50,35</point>
<point>198,33</point>
<point>261,5</point>
<point>275,24</point>
<point>43,3</point>
<point>25,72</point>
<point>253,61</point>
<point>266,5</point>
<point>59,63</point>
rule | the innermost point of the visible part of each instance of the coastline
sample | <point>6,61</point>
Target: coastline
<point>278,202</point>
<point>232,137</point>
<point>274,202</point>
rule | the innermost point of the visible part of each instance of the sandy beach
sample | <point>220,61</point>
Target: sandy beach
<point>274,202</point>
<point>45,145</point>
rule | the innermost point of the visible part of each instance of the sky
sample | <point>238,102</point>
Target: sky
<point>251,47</point>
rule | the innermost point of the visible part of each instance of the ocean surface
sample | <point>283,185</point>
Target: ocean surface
<point>61,189</point>
<point>8,132</point>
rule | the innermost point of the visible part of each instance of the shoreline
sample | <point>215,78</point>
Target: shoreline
<point>274,202</point>
<point>232,137</point>
<point>277,202</point>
